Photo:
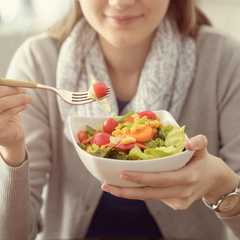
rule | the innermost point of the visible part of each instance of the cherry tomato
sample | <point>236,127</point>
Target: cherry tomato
<point>100,89</point>
<point>150,115</point>
<point>82,136</point>
<point>101,138</point>
<point>109,125</point>
<point>129,146</point>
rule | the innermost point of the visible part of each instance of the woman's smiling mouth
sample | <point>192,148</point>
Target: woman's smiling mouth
<point>123,20</point>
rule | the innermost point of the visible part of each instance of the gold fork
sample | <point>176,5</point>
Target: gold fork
<point>74,98</point>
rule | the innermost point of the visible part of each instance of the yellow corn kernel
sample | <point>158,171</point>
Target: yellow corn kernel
<point>136,119</point>
<point>125,130</point>
<point>157,124</point>
<point>143,126</point>
<point>126,141</point>
<point>119,126</point>
<point>102,147</point>
<point>134,116</point>
<point>157,117</point>
<point>133,130</point>
<point>152,124</point>
<point>123,136</point>
<point>132,139</point>
<point>114,133</point>
<point>147,123</point>
<point>119,136</point>
<point>138,127</point>
<point>118,131</point>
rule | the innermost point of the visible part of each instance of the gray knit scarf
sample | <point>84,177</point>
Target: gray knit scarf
<point>164,82</point>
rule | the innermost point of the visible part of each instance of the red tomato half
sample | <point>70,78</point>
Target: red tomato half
<point>109,125</point>
<point>100,89</point>
<point>101,138</point>
<point>150,115</point>
<point>129,146</point>
<point>82,136</point>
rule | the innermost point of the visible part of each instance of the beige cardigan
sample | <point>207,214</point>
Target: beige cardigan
<point>211,108</point>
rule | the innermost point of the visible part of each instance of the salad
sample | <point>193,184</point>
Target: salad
<point>135,136</point>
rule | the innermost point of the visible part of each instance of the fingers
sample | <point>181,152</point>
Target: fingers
<point>198,144</point>
<point>8,114</point>
<point>10,101</point>
<point>6,91</point>
<point>148,193</point>
<point>163,179</point>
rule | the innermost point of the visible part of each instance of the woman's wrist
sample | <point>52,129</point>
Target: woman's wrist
<point>14,155</point>
<point>226,182</point>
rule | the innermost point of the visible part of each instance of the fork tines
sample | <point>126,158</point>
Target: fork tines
<point>83,96</point>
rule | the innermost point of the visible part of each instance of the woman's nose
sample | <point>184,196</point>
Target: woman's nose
<point>121,4</point>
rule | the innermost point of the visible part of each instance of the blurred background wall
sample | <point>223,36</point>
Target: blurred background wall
<point>22,18</point>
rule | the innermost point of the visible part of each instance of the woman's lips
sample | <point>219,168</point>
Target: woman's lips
<point>123,20</point>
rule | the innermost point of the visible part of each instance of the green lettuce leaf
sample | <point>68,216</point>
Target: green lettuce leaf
<point>161,151</point>
<point>137,154</point>
<point>176,138</point>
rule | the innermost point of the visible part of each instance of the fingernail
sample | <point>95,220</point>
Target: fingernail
<point>29,98</point>
<point>24,90</point>
<point>106,189</point>
<point>125,177</point>
<point>192,143</point>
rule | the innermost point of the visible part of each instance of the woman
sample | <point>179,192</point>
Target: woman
<point>154,55</point>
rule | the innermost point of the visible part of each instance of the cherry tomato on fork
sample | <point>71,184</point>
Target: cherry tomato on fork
<point>101,138</point>
<point>100,89</point>
<point>109,125</point>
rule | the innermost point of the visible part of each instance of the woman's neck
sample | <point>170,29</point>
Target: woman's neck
<point>124,66</point>
<point>126,61</point>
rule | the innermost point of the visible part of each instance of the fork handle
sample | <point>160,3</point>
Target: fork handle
<point>17,83</point>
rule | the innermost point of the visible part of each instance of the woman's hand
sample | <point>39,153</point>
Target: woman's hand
<point>12,138</point>
<point>204,176</point>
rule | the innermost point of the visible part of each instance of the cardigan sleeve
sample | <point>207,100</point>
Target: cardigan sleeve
<point>229,114</point>
<point>21,187</point>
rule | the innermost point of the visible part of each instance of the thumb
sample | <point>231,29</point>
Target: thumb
<point>198,144</point>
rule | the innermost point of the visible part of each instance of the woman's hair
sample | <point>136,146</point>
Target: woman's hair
<point>187,15</point>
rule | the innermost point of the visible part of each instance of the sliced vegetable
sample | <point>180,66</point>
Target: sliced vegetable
<point>129,146</point>
<point>155,131</point>
<point>126,116</point>
<point>81,146</point>
<point>129,119</point>
<point>90,131</point>
<point>142,135</point>
<point>101,138</point>
<point>141,121</point>
<point>109,125</point>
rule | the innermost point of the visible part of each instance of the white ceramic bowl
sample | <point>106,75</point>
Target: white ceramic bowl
<point>108,170</point>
